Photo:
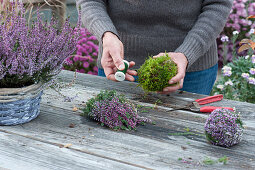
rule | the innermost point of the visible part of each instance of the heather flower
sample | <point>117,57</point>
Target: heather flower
<point>252,71</point>
<point>113,111</point>
<point>32,54</point>
<point>224,39</point>
<point>229,82</point>
<point>245,75</point>
<point>224,128</point>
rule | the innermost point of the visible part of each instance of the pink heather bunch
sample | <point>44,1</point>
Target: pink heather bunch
<point>85,59</point>
<point>113,111</point>
<point>32,54</point>
<point>224,128</point>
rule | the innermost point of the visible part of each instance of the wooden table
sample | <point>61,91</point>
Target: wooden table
<point>61,139</point>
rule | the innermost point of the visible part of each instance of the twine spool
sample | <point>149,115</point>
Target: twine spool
<point>20,105</point>
<point>120,75</point>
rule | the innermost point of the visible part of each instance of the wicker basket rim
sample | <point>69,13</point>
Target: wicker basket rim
<point>23,90</point>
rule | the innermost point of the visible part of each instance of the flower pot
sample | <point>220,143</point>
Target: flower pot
<point>20,105</point>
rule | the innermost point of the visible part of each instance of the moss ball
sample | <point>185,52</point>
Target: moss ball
<point>154,74</point>
<point>224,128</point>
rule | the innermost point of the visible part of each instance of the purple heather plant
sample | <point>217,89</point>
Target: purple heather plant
<point>113,111</point>
<point>32,54</point>
<point>224,128</point>
<point>85,59</point>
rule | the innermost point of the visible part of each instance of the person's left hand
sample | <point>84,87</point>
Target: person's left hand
<point>182,62</point>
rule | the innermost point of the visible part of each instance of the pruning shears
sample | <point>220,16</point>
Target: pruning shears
<point>195,106</point>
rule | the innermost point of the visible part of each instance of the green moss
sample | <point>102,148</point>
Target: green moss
<point>154,74</point>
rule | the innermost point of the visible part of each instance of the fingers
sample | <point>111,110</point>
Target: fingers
<point>160,54</point>
<point>109,73</point>
<point>130,77</point>
<point>171,89</point>
<point>132,72</point>
<point>117,60</point>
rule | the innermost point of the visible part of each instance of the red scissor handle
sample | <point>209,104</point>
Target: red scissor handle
<point>209,99</point>
<point>209,109</point>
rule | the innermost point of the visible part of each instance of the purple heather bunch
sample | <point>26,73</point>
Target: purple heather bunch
<point>224,128</point>
<point>32,54</point>
<point>113,111</point>
<point>85,59</point>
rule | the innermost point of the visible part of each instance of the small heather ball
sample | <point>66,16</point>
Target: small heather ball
<point>154,74</point>
<point>224,128</point>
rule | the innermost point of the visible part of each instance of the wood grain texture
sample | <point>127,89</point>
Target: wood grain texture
<point>40,143</point>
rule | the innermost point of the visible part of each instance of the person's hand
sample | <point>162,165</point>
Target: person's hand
<point>182,62</point>
<point>112,57</point>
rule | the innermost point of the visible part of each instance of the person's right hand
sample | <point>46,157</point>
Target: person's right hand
<point>112,57</point>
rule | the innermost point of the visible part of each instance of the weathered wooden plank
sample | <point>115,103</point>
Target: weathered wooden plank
<point>20,152</point>
<point>132,91</point>
<point>150,146</point>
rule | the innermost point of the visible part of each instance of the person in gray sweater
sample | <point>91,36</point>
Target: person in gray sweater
<point>134,29</point>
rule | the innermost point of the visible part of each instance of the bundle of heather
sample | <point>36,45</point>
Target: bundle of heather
<point>32,54</point>
<point>224,128</point>
<point>113,111</point>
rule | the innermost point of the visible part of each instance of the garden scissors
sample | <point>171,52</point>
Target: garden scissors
<point>195,106</point>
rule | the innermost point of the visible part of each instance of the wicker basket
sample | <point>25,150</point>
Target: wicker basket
<point>20,105</point>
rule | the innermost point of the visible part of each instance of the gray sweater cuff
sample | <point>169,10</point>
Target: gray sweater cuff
<point>190,48</point>
<point>100,27</point>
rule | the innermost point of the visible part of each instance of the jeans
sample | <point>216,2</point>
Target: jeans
<point>200,82</point>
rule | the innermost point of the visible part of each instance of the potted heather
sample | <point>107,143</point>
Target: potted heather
<point>30,58</point>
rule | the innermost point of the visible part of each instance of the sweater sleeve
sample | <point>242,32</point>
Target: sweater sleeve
<point>210,23</point>
<point>95,18</point>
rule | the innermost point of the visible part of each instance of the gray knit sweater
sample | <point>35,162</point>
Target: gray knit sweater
<point>148,27</point>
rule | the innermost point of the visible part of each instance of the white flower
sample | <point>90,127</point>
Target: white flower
<point>229,82</point>
<point>227,68</point>
<point>252,31</point>
<point>247,57</point>
<point>235,32</point>
<point>224,39</point>
<point>245,75</point>
<point>220,86</point>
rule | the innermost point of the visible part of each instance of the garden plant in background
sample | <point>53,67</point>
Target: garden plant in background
<point>85,58</point>
<point>30,57</point>
<point>238,77</point>
<point>114,111</point>
<point>236,23</point>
